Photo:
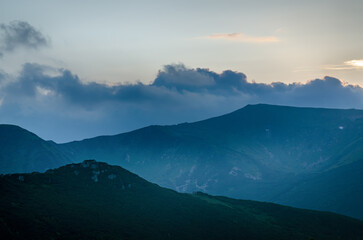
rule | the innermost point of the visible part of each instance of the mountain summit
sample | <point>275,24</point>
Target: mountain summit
<point>23,151</point>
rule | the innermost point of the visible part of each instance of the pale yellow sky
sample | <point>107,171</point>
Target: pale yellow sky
<point>129,41</point>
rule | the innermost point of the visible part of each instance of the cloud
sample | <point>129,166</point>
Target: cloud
<point>348,65</point>
<point>34,82</point>
<point>240,37</point>
<point>56,104</point>
<point>355,63</point>
<point>183,79</point>
<point>20,34</point>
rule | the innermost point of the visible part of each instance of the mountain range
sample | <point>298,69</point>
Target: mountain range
<point>93,200</point>
<point>303,157</point>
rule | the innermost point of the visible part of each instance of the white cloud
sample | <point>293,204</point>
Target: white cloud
<point>240,37</point>
<point>348,65</point>
<point>44,91</point>
<point>355,63</point>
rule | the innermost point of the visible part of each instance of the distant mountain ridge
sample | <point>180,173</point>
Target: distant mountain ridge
<point>261,152</point>
<point>93,200</point>
<point>303,157</point>
<point>23,151</point>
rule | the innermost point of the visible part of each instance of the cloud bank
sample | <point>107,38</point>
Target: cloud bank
<point>18,34</point>
<point>57,105</point>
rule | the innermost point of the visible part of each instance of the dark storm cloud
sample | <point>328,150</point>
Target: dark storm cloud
<point>195,80</point>
<point>178,84</point>
<point>20,34</point>
<point>58,99</point>
<point>326,92</point>
<point>34,81</point>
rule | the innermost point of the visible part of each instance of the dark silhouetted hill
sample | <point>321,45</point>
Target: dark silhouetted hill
<point>93,200</point>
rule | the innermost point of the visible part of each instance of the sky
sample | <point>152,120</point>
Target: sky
<point>76,69</point>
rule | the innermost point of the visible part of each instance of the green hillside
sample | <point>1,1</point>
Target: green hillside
<point>93,200</point>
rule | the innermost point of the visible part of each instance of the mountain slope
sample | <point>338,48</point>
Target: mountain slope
<point>93,200</point>
<point>23,151</point>
<point>338,190</point>
<point>260,152</point>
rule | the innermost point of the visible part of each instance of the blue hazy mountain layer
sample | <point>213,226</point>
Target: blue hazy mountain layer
<point>303,157</point>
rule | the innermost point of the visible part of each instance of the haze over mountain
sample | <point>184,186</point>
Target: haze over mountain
<point>261,152</point>
<point>303,157</point>
<point>59,105</point>
<point>93,200</point>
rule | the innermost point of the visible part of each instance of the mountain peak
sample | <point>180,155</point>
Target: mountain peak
<point>23,151</point>
<point>94,172</point>
<point>14,131</point>
<point>287,107</point>
<point>91,165</point>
